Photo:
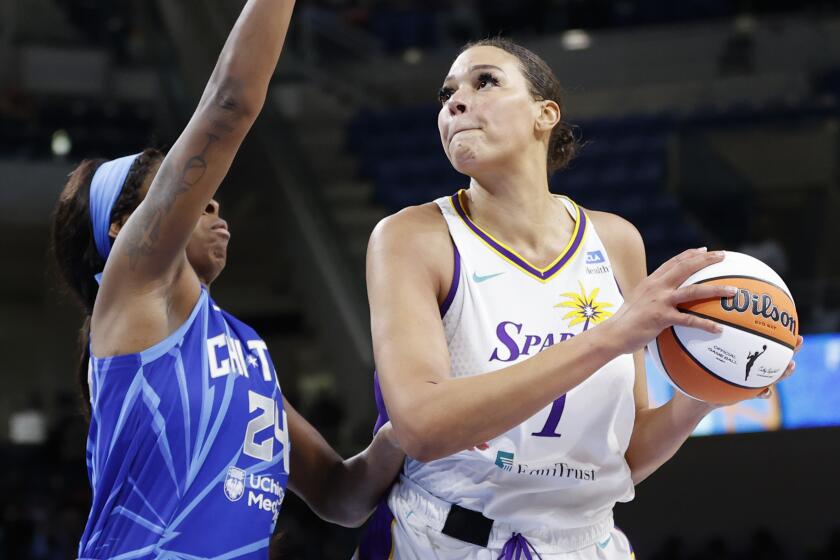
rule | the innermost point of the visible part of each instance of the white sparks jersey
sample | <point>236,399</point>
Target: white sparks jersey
<point>564,467</point>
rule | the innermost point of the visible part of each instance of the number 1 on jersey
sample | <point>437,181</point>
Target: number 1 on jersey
<point>550,428</point>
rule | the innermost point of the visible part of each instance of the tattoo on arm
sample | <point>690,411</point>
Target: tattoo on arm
<point>160,204</point>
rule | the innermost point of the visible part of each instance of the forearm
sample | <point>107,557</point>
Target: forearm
<point>659,432</point>
<point>358,483</point>
<point>454,414</point>
<point>249,56</point>
<point>155,236</point>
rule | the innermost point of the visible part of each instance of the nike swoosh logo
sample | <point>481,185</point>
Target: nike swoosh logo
<point>604,544</point>
<point>479,279</point>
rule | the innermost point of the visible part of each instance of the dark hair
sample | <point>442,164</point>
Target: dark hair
<point>73,246</point>
<point>543,85</point>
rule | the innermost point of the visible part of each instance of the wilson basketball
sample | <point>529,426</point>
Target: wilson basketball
<point>760,329</point>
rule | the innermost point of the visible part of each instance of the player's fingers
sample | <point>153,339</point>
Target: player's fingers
<point>685,268</point>
<point>766,393</point>
<point>696,292</point>
<point>799,342</point>
<point>695,322</point>
<point>788,370</point>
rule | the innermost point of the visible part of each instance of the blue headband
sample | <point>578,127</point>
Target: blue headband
<point>105,189</point>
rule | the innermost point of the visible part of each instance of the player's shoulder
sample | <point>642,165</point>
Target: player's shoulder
<point>618,234</point>
<point>419,228</point>
<point>624,245</point>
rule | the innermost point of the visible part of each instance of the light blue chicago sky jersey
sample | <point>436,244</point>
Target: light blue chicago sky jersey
<point>188,451</point>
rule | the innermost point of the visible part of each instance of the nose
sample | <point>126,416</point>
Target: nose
<point>457,102</point>
<point>212,207</point>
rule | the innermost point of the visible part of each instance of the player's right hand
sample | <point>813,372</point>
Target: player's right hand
<point>652,306</point>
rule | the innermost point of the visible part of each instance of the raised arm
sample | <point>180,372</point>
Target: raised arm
<point>147,288</point>
<point>435,415</point>
<point>150,247</point>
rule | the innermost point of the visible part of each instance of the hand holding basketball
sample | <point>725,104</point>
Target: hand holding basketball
<point>791,367</point>
<point>653,305</point>
<point>757,337</point>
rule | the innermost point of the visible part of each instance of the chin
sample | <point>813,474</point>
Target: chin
<point>468,167</point>
<point>214,272</point>
<point>209,266</point>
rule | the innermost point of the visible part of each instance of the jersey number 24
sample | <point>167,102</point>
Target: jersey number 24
<point>269,414</point>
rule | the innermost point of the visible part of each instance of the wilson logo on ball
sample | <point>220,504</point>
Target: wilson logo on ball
<point>761,305</point>
<point>758,334</point>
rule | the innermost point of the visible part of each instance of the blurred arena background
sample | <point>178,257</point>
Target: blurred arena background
<point>707,122</point>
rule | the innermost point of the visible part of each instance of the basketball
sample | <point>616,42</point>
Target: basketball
<point>760,330</point>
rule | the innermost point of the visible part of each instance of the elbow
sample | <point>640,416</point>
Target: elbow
<point>424,452</point>
<point>345,517</point>
<point>638,472</point>
<point>234,101</point>
<point>420,441</point>
<point>353,520</point>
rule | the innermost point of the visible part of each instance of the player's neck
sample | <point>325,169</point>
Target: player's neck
<point>518,207</point>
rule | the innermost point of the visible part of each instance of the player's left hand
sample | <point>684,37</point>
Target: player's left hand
<point>768,392</point>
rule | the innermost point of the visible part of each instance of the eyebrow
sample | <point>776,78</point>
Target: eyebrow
<point>477,67</point>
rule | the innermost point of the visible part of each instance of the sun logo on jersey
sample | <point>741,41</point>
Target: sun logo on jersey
<point>586,308</point>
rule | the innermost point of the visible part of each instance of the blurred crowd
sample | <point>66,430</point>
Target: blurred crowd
<point>402,24</point>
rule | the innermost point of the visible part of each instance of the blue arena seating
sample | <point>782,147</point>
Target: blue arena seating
<point>622,165</point>
<point>621,168</point>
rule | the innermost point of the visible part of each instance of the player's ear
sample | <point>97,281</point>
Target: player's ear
<point>115,228</point>
<point>548,115</point>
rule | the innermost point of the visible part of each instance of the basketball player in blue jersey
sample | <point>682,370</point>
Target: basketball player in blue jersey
<point>191,443</point>
<point>508,328</point>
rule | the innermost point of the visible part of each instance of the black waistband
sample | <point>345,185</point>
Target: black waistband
<point>468,526</point>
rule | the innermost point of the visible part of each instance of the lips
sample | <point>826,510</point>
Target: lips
<point>221,227</point>
<point>462,129</point>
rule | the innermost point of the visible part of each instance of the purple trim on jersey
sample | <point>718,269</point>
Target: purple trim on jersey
<point>377,541</point>
<point>618,286</point>
<point>513,257</point>
<point>456,280</point>
<point>382,412</point>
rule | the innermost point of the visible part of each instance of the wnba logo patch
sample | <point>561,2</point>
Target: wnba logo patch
<point>504,460</point>
<point>234,484</point>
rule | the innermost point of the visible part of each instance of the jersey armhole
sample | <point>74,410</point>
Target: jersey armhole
<point>456,280</point>
<point>158,349</point>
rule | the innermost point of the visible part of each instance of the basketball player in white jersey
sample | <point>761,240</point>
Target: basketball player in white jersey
<point>508,329</point>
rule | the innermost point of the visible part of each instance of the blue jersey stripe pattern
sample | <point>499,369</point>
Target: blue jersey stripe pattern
<point>188,451</point>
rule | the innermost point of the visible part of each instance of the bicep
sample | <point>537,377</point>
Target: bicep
<point>153,239</point>
<point>147,272</point>
<point>409,343</point>
<point>627,250</point>
<point>640,390</point>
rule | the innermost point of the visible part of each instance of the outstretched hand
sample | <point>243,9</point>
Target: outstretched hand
<point>652,307</point>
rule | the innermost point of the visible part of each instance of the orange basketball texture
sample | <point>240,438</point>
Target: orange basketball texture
<point>760,331</point>
<point>759,306</point>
